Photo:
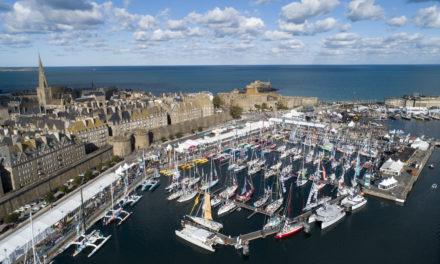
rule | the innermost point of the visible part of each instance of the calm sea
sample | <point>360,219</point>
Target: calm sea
<point>366,82</point>
<point>381,232</point>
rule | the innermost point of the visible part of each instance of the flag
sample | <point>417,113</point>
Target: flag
<point>323,173</point>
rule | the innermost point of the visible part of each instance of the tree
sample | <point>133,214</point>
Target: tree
<point>200,129</point>
<point>49,197</point>
<point>77,180</point>
<point>99,167</point>
<point>179,134</point>
<point>63,188</point>
<point>263,106</point>
<point>88,175</point>
<point>171,137</point>
<point>257,106</point>
<point>217,101</point>
<point>107,163</point>
<point>235,111</point>
<point>280,106</point>
<point>163,139</point>
<point>11,218</point>
<point>116,158</point>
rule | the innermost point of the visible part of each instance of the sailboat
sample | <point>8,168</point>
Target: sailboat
<point>212,181</point>
<point>228,207</point>
<point>275,204</point>
<point>290,226</point>
<point>246,192</point>
<point>206,219</point>
<point>188,192</point>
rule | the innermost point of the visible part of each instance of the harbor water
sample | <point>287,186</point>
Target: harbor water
<point>381,232</point>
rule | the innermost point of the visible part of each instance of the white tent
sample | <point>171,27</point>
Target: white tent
<point>388,183</point>
<point>420,144</point>
<point>391,167</point>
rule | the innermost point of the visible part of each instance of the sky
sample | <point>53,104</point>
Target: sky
<point>221,32</point>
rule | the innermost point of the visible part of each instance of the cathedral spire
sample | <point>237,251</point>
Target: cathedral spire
<point>41,75</point>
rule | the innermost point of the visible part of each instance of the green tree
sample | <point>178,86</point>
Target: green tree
<point>263,106</point>
<point>257,106</point>
<point>217,101</point>
<point>107,163</point>
<point>116,158</point>
<point>235,111</point>
<point>193,131</point>
<point>179,134</point>
<point>99,167</point>
<point>171,137</point>
<point>280,106</point>
<point>49,197</point>
<point>77,180</point>
<point>163,139</point>
<point>11,218</point>
<point>63,188</point>
<point>200,129</point>
<point>88,175</point>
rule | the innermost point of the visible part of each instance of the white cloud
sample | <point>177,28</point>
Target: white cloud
<point>14,40</point>
<point>276,35</point>
<point>164,35</point>
<point>147,22</point>
<point>341,40</point>
<point>32,16</point>
<point>125,19</point>
<point>308,28</point>
<point>428,17</point>
<point>292,44</point>
<point>397,21</point>
<point>298,13</point>
<point>176,25</point>
<point>345,27</point>
<point>141,35</point>
<point>325,25</point>
<point>228,22</point>
<point>364,10</point>
<point>263,2</point>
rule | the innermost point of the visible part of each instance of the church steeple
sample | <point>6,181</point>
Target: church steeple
<point>44,92</point>
<point>41,75</point>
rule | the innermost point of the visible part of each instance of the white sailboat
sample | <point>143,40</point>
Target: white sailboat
<point>206,219</point>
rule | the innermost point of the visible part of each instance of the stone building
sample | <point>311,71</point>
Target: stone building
<point>128,120</point>
<point>90,131</point>
<point>427,101</point>
<point>251,98</point>
<point>51,97</point>
<point>189,107</point>
<point>37,158</point>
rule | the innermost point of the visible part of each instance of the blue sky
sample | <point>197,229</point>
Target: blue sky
<point>194,32</point>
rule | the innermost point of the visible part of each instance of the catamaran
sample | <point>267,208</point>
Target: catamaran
<point>200,237</point>
<point>328,215</point>
<point>94,239</point>
<point>354,201</point>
